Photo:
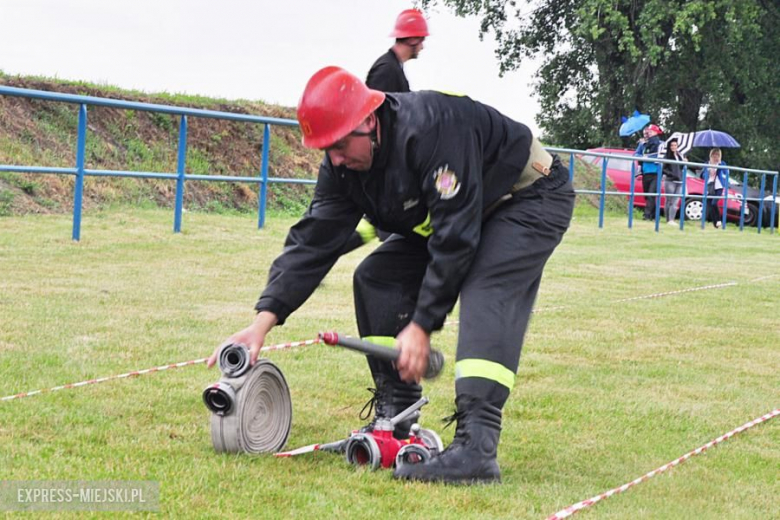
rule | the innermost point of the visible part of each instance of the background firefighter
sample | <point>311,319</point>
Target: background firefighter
<point>387,72</point>
<point>387,75</point>
<point>476,205</point>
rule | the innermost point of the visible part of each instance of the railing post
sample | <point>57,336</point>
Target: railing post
<point>682,196</point>
<point>725,197</point>
<point>744,202</point>
<point>658,177</point>
<point>81,148</point>
<point>631,196</point>
<point>261,198</point>
<point>180,169</point>
<point>761,204</point>
<point>571,168</point>
<point>603,191</point>
<point>773,205</point>
<point>704,204</point>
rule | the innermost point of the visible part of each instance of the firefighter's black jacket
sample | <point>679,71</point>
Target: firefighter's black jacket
<point>387,74</point>
<point>440,162</point>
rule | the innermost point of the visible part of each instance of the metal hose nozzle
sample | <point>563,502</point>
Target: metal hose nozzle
<point>435,357</point>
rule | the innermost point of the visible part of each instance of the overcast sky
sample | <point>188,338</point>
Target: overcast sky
<point>251,49</point>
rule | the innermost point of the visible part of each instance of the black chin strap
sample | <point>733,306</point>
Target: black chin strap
<point>372,135</point>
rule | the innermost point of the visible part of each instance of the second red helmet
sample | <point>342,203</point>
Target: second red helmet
<point>410,24</point>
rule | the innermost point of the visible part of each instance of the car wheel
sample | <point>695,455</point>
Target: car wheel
<point>752,218</point>
<point>693,210</point>
<point>766,221</point>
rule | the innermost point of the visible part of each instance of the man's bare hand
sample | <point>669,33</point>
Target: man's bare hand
<point>253,337</point>
<point>415,346</point>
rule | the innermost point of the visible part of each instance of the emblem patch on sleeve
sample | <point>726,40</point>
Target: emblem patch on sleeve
<point>447,183</point>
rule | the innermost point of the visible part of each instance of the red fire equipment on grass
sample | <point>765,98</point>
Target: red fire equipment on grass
<point>379,448</point>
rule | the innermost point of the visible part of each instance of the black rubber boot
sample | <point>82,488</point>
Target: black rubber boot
<point>471,458</point>
<point>391,397</point>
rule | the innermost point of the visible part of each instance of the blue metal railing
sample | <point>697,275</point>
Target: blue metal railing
<point>80,170</point>
<point>180,174</point>
<point>763,202</point>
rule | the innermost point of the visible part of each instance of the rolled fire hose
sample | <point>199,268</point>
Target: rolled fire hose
<point>251,406</point>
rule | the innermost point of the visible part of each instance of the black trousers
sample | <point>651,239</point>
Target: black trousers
<point>712,210</point>
<point>649,185</point>
<point>497,295</point>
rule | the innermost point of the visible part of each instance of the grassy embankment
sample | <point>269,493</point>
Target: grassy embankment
<point>43,133</point>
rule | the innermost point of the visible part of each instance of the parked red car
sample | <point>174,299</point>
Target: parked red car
<point>619,172</point>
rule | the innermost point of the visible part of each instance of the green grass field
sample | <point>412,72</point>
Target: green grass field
<point>606,390</point>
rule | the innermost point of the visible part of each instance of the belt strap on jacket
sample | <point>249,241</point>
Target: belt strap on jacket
<point>538,166</point>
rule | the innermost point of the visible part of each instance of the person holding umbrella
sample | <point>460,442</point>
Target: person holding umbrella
<point>716,179</point>
<point>648,148</point>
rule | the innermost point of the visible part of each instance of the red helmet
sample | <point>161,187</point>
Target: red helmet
<point>655,129</point>
<point>410,24</point>
<point>333,104</point>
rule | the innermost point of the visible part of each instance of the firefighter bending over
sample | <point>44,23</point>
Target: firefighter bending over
<point>476,207</point>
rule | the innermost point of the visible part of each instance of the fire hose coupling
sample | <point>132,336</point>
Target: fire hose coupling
<point>220,398</point>
<point>251,407</point>
<point>435,358</point>
<point>233,360</point>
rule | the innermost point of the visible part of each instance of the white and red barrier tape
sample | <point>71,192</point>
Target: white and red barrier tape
<point>693,289</point>
<point>301,343</point>
<point>762,278</point>
<point>567,512</point>
<point>134,373</point>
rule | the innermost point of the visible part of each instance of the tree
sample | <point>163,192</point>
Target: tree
<point>691,64</point>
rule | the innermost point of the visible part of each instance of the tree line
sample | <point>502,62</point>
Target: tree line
<point>690,64</point>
